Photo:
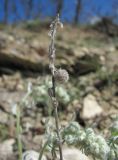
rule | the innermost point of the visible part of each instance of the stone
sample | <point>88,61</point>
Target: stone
<point>6,148</point>
<point>78,52</point>
<point>91,108</point>
<point>38,139</point>
<point>3,117</point>
<point>8,99</point>
<point>32,155</point>
<point>73,154</point>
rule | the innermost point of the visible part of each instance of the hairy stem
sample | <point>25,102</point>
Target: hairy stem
<point>57,119</point>
<point>52,34</point>
<point>18,129</point>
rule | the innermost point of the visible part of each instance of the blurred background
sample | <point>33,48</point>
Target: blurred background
<point>87,47</point>
<point>72,11</point>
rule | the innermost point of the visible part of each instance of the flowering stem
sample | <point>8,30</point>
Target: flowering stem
<point>52,68</point>
<point>18,129</point>
<point>57,119</point>
<point>53,86</point>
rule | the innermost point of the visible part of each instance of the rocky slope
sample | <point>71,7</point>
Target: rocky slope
<point>91,59</point>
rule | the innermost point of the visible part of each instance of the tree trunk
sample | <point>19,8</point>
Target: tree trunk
<point>77,11</point>
<point>59,6</point>
<point>6,6</point>
<point>29,8</point>
<point>14,11</point>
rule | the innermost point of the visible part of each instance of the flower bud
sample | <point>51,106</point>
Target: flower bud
<point>61,75</point>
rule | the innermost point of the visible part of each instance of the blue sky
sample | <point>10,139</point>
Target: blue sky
<point>90,8</point>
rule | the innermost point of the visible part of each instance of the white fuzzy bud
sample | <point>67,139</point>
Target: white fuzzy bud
<point>61,75</point>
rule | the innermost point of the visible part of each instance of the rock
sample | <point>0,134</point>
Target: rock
<point>111,48</point>
<point>13,82</point>
<point>3,117</point>
<point>6,148</point>
<point>112,60</point>
<point>86,64</point>
<point>91,108</point>
<point>73,154</point>
<point>38,139</point>
<point>32,155</point>
<point>35,44</point>
<point>28,123</point>
<point>8,99</point>
<point>22,62</point>
<point>80,52</point>
<point>17,53</point>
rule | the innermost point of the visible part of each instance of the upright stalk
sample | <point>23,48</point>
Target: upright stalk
<point>56,118</point>
<point>52,34</point>
<point>18,129</point>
